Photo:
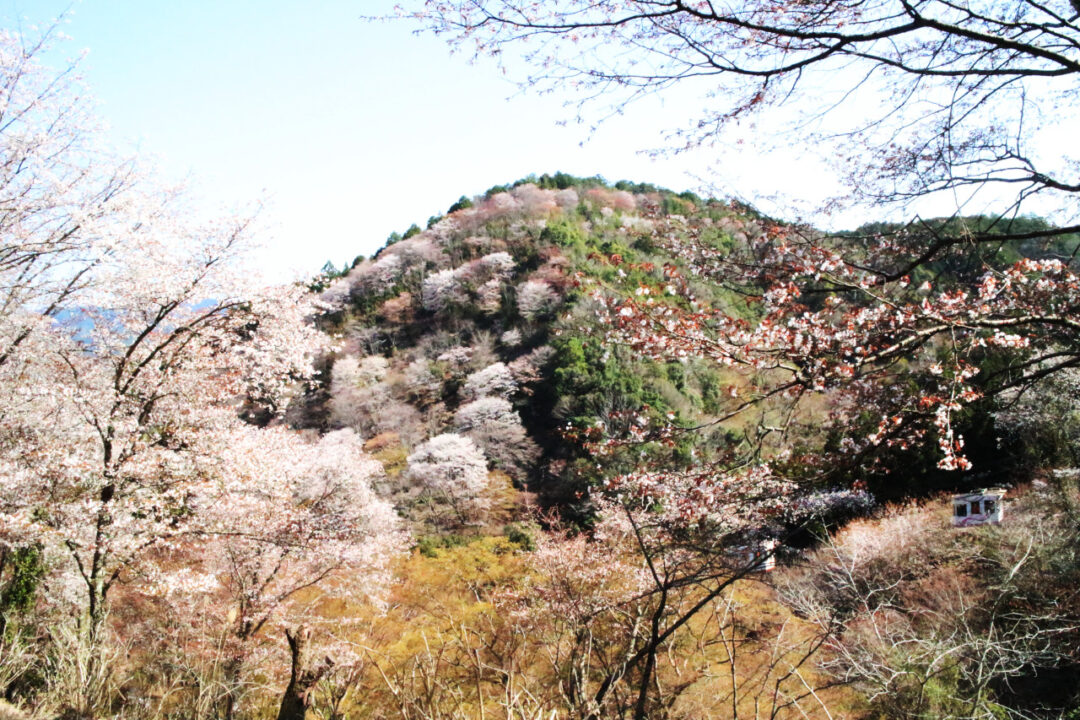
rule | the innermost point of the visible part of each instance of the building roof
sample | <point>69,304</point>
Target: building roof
<point>978,494</point>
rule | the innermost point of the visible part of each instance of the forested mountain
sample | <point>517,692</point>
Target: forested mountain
<point>485,325</point>
<point>490,325</point>
<point>490,342</point>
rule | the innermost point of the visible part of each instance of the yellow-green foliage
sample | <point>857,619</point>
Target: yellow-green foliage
<point>748,656</point>
<point>419,653</point>
<point>460,638</point>
<point>392,459</point>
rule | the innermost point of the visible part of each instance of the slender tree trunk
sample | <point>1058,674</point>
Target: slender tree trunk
<point>95,579</point>
<point>297,699</point>
<point>232,685</point>
<point>97,607</point>
<point>640,711</point>
<point>3,610</point>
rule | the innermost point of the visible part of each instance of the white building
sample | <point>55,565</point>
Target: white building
<point>757,558</point>
<point>982,507</point>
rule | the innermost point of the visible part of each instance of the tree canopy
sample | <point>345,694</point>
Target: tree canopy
<point>923,96</point>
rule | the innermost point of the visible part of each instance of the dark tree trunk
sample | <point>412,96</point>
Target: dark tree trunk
<point>232,685</point>
<point>297,699</point>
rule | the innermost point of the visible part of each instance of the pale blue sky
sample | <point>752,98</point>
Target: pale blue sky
<point>350,130</point>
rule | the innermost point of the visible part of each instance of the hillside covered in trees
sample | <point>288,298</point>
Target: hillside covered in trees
<point>485,326</point>
<point>491,324</point>
<point>481,361</point>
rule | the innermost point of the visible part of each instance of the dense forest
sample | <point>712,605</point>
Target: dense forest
<point>573,449</point>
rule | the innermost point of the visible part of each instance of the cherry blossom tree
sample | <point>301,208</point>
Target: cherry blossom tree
<point>364,399</point>
<point>535,298</point>
<point>101,459</point>
<point>59,188</point>
<point>496,380</point>
<point>289,516</point>
<point>942,97</point>
<point>497,265</point>
<point>567,199</point>
<point>140,359</point>
<point>496,427</point>
<point>379,276</point>
<point>134,341</point>
<point>420,381</point>
<point>529,368</point>
<point>356,391</point>
<point>119,416</point>
<point>827,324</point>
<point>439,290</point>
<point>452,466</point>
<point>489,296</point>
<point>582,609</point>
<point>611,610</point>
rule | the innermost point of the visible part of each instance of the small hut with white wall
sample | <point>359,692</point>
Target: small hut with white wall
<point>760,557</point>
<point>982,507</point>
